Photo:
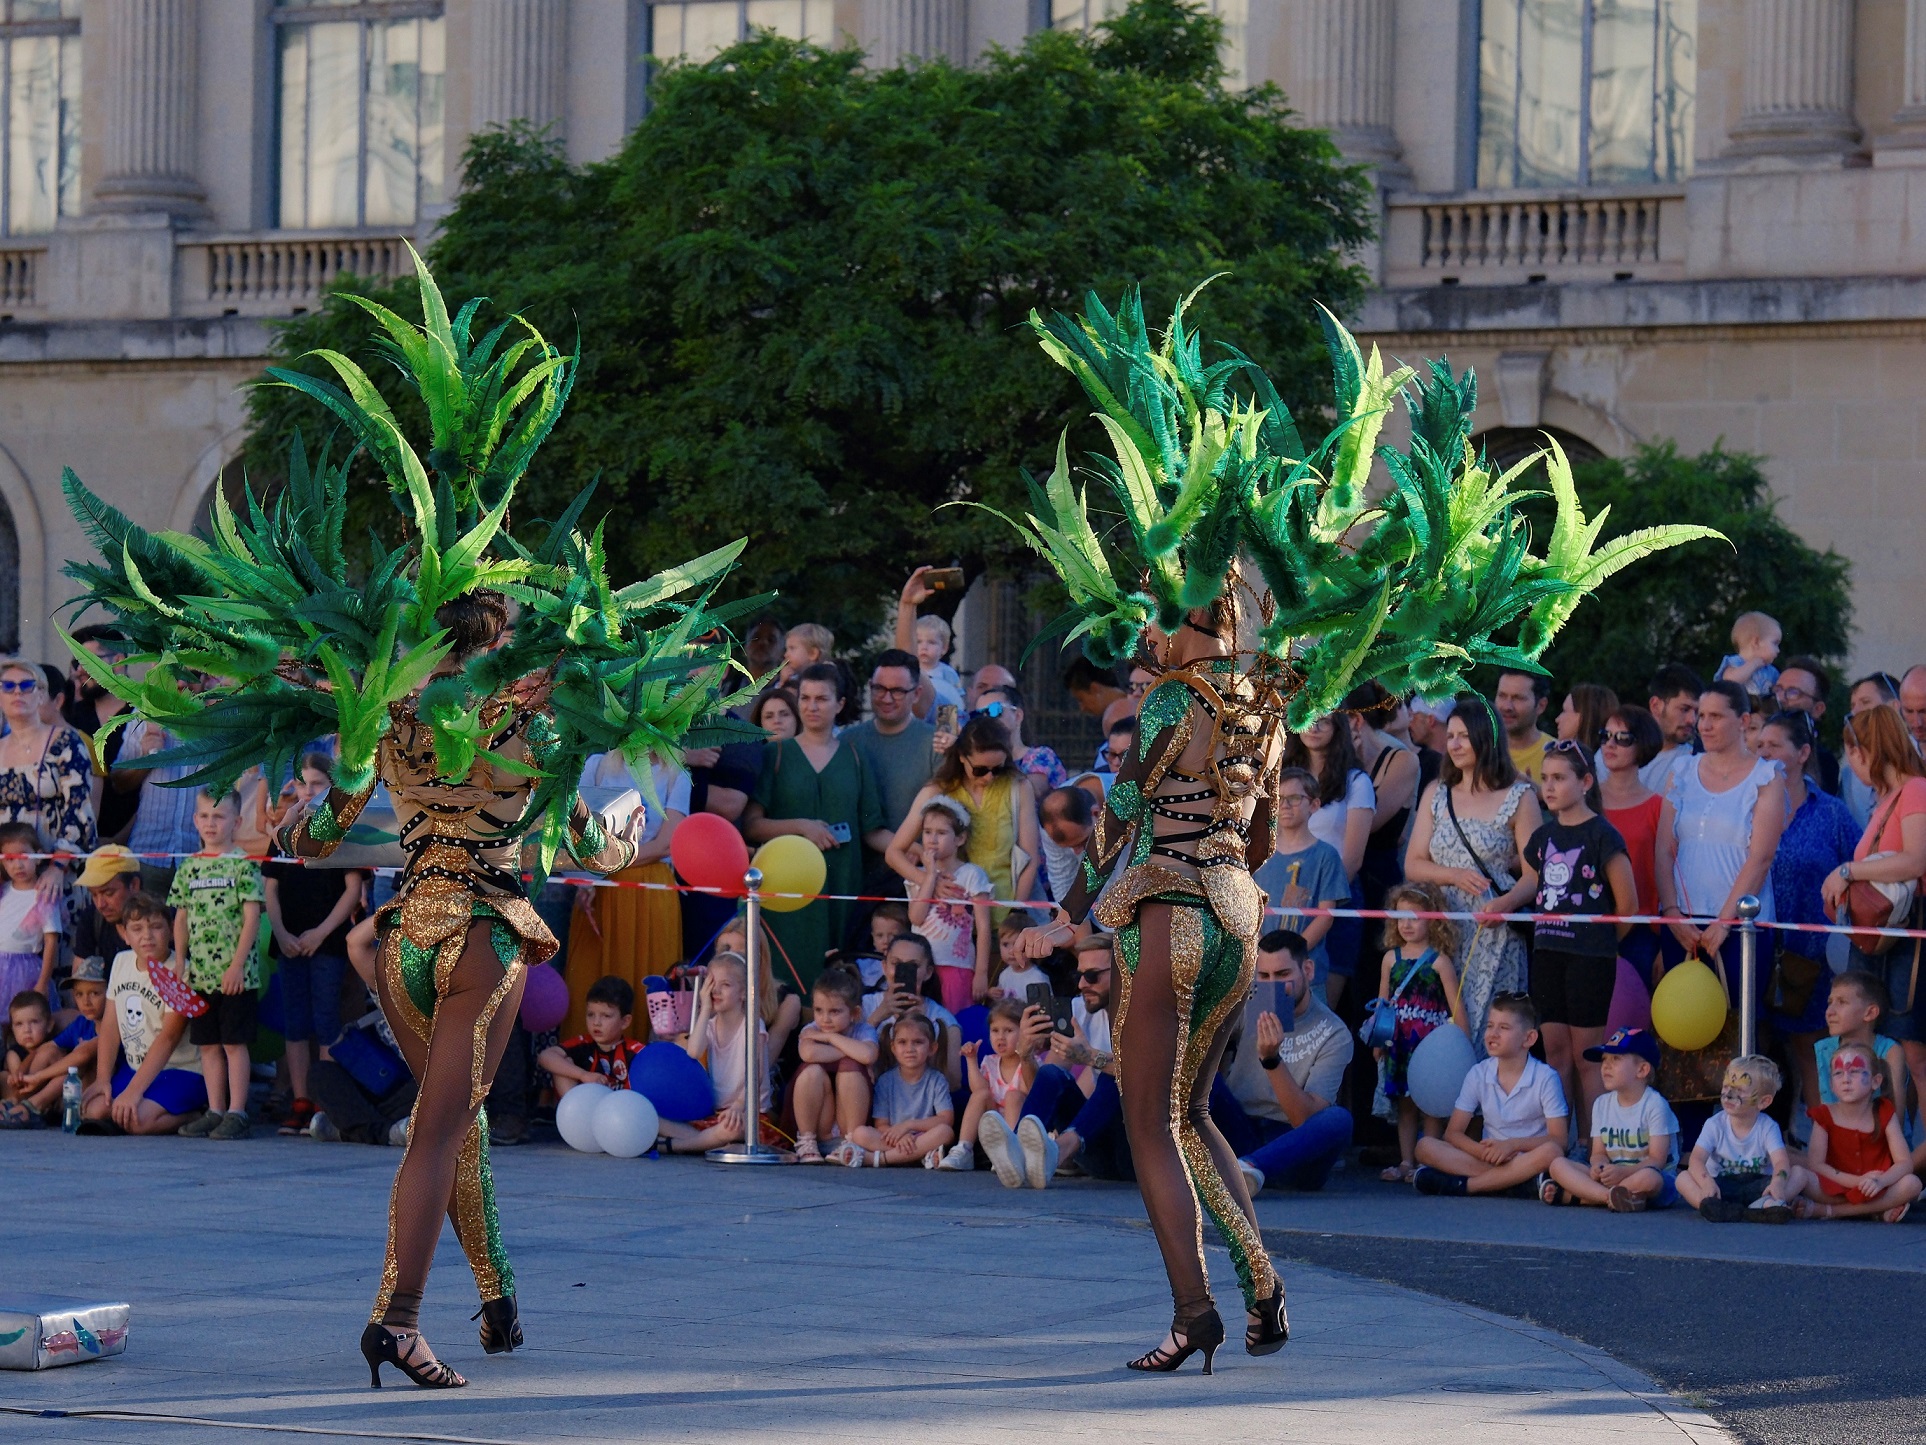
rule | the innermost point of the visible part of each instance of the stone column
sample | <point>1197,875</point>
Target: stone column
<point>924,29</point>
<point>520,62</point>
<point>1798,80</point>
<point>147,107</point>
<point>1339,77</point>
<point>1911,115</point>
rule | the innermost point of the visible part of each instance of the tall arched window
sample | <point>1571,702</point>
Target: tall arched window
<point>360,111</point>
<point>39,114</point>
<point>1585,92</point>
<point>9,583</point>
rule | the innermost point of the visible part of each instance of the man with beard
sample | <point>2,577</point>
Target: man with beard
<point>89,707</point>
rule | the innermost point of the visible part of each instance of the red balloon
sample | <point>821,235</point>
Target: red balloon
<point>709,853</point>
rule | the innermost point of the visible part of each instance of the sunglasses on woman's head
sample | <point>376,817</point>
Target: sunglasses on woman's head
<point>990,709</point>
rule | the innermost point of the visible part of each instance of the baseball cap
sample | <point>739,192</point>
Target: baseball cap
<point>1627,1041</point>
<point>105,863</point>
<point>88,970</point>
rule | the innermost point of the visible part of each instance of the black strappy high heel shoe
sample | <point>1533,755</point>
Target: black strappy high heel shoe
<point>383,1346</point>
<point>1200,1332</point>
<point>501,1330</point>
<point>1269,1336</point>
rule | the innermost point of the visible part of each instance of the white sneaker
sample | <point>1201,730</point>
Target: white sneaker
<point>398,1134</point>
<point>1039,1152</point>
<point>961,1157</point>
<point>322,1127</point>
<point>1000,1148</point>
<point>1253,1177</point>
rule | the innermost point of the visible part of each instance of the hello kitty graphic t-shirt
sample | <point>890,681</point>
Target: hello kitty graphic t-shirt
<point>1570,862</point>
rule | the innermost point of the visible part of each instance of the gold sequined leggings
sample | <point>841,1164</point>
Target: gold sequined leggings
<point>442,1171</point>
<point>1183,979</point>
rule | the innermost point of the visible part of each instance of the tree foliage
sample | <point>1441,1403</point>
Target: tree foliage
<point>800,288</point>
<point>1678,606</point>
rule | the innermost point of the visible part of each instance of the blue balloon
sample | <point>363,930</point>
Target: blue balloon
<point>1437,1069</point>
<point>676,1084</point>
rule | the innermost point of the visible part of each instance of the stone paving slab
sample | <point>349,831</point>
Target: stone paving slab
<point>678,1300</point>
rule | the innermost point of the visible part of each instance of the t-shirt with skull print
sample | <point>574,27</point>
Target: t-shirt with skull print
<point>1570,862</point>
<point>138,1010</point>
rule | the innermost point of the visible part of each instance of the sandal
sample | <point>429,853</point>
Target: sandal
<point>1803,1208</point>
<point>16,1114</point>
<point>1897,1214</point>
<point>807,1151</point>
<point>1398,1174</point>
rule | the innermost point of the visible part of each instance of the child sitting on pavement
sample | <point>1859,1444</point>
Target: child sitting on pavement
<point>74,1047</point>
<point>998,1087</point>
<point>1635,1135</point>
<point>29,1021</point>
<point>837,1048</point>
<point>913,1115</point>
<point>602,1055</point>
<point>1859,1162</point>
<point>1858,1004</point>
<point>149,1077</point>
<point>715,1041</point>
<point>1740,1169</point>
<point>1526,1116</point>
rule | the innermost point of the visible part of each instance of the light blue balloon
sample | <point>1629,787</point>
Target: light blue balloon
<point>1437,1069</point>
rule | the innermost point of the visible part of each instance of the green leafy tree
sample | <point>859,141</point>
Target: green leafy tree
<point>800,289</point>
<point>1678,606</point>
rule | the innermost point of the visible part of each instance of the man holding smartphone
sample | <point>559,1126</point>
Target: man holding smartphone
<point>1272,1098</point>
<point>1084,1108</point>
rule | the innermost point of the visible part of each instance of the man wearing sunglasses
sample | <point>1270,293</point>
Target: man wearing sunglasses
<point>1083,1108</point>
<point>1271,1100</point>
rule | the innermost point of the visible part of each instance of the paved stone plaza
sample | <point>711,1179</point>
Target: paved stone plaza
<point>677,1300</point>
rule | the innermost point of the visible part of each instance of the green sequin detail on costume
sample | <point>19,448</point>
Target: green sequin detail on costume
<point>1164,707</point>
<point>506,943</point>
<point>418,976</point>
<point>594,840</point>
<point>541,737</point>
<point>1092,879</point>
<point>491,1215</point>
<point>323,826</point>
<point>1130,946</point>
<point>1127,800</point>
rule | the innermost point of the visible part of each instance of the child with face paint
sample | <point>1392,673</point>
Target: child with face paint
<point>1860,1162</point>
<point>1740,1170</point>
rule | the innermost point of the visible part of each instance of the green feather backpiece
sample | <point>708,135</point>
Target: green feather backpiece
<point>1207,473</point>
<point>257,638</point>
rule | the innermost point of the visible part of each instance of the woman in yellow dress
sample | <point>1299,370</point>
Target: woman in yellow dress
<point>980,772</point>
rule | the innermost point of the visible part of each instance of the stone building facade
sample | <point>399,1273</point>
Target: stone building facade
<point>1696,219</point>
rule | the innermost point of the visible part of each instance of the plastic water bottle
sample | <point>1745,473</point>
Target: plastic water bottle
<point>70,1101</point>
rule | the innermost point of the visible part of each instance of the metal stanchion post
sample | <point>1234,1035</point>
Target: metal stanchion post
<point>752,1150</point>
<point>1748,977</point>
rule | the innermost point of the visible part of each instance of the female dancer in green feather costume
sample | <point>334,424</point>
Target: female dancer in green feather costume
<point>1412,588</point>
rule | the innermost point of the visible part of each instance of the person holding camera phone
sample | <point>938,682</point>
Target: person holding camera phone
<point>1075,1093</point>
<point>1272,1100</point>
<point>908,968</point>
<point>816,788</point>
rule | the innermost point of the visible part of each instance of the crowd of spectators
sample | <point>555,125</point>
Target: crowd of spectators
<point>175,968</point>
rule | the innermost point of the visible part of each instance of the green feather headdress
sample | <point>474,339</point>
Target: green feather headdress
<point>259,637</point>
<point>1411,588</point>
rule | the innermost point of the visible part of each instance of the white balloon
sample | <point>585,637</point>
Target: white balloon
<point>625,1124</point>
<point>575,1116</point>
<point>1437,1069</point>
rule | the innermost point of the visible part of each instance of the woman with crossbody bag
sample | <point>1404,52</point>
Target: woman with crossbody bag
<point>46,774</point>
<point>1471,830</point>
<point>1879,885</point>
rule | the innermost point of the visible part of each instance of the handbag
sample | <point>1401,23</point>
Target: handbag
<point>1523,930</point>
<point>1878,905</point>
<point>1380,1024</point>
<point>1697,1075</point>
<point>1794,977</point>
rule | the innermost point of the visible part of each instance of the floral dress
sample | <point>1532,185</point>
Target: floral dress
<point>56,794</point>
<point>1422,1006</point>
<point>1491,958</point>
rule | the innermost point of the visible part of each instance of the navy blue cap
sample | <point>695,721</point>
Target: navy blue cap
<point>1627,1041</point>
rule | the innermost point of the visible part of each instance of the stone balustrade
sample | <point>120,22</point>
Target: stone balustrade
<point>1507,238</point>
<point>277,273</point>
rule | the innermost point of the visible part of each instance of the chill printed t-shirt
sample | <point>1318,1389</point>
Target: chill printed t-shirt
<point>215,891</point>
<point>1626,1130</point>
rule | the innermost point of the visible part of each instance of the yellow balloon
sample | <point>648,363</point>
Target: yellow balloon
<point>1688,1006</point>
<point>791,865</point>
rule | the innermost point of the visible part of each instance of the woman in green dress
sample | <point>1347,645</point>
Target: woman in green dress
<point>818,789</point>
